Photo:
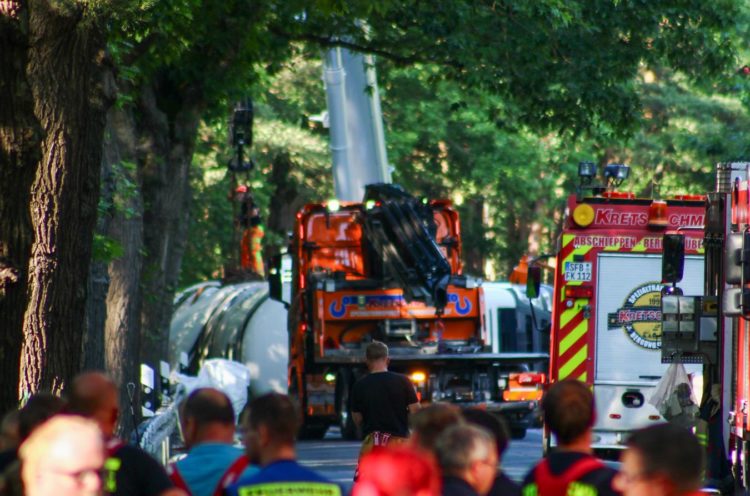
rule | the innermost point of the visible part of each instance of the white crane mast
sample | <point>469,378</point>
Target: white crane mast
<point>356,123</point>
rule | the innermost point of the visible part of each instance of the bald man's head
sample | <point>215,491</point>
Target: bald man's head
<point>207,416</point>
<point>94,395</point>
<point>64,457</point>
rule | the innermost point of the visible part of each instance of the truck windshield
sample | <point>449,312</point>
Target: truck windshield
<point>333,242</point>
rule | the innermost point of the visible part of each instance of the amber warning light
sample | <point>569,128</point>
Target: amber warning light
<point>583,215</point>
<point>657,214</point>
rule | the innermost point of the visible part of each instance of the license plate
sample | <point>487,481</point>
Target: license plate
<point>578,271</point>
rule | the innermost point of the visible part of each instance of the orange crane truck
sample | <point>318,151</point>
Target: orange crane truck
<point>389,269</point>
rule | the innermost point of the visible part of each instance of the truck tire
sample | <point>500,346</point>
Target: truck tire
<point>344,383</point>
<point>312,432</point>
<point>308,431</point>
<point>517,432</point>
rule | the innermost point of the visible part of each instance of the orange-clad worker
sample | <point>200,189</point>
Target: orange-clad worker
<point>251,249</point>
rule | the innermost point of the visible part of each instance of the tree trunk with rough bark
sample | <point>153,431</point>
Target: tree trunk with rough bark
<point>122,329</point>
<point>286,200</point>
<point>98,283</point>
<point>92,357</point>
<point>20,151</point>
<point>472,214</point>
<point>71,107</point>
<point>536,228</point>
<point>516,234</point>
<point>166,197</point>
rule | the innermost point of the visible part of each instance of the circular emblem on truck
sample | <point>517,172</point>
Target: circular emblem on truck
<point>640,316</point>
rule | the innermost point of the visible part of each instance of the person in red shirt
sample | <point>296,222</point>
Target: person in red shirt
<point>396,471</point>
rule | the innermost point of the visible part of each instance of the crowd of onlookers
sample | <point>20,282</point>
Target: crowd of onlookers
<point>67,447</point>
<point>455,452</point>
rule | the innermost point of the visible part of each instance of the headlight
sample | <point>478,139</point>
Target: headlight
<point>502,383</point>
<point>418,376</point>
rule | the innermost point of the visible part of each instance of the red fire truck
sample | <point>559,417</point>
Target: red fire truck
<point>734,370</point>
<point>606,318</point>
<point>715,323</point>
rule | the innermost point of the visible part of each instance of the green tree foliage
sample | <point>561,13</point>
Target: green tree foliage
<point>550,65</point>
<point>469,146</point>
<point>510,174</point>
<point>445,141</point>
<point>684,133</point>
<point>566,65</point>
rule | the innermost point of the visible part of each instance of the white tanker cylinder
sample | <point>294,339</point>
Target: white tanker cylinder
<point>265,348</point>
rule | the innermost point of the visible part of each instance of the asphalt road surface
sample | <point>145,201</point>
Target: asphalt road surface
<point>335,458</point>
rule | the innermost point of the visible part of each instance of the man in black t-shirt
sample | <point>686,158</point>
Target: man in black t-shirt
<point>572,469</point>
<point>128,470</point>
<point>382,401</point>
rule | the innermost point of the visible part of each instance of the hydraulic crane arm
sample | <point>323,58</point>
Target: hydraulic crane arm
<point>402,230</point>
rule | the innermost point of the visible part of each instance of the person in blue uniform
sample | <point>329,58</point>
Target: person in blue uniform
<point>270,429</point>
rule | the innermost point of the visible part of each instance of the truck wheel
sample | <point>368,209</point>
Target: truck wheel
<point>546,442</point>
<point>314,432</point>
<point>518,432</point>
<point>344,383</point>
<point>308,431</point>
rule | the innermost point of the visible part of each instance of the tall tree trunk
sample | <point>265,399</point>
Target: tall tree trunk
<point>98,283</point>
<point>123,326</point>
<point>516,235</point>
<point>166,196</point>
<point>536,228</point>
<point>474,245</point>
<point>286,201</point>
<point>92,357</point>
<point>71,107</point>
<point>20,151</point>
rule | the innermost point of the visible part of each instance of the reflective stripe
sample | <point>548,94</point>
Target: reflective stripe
<point>530,490</point>
<point>571,316</point>
<point>111,466</point>
<point>581,489</point>
<point>640,246</point>
<point>568,315</point>
<point>291,489</point>
<point>577,359</point>
<point>574,336</point>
